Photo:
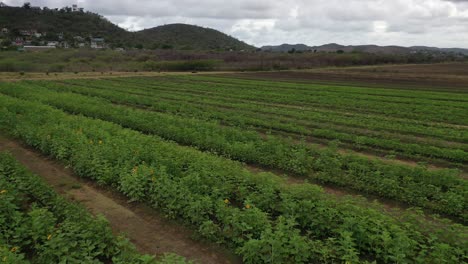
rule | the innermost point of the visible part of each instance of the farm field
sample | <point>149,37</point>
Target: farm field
<point>442,76</point>
<point>275,167</point>
<point>40,225</point>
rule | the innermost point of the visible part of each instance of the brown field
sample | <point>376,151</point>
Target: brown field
<point>446,76</point>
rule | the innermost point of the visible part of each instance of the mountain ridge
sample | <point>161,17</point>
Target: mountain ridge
<point>333,47</point>
<point>68,25</point>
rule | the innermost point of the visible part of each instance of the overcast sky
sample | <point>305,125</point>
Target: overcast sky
<point>442,23</point>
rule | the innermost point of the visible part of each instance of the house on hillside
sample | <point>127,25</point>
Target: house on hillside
<point>4,31</point>
<point>28,32</point>
<point>75,8</point>
<point>52,43</point>
<point>97,43</point>
<point>18,42</point>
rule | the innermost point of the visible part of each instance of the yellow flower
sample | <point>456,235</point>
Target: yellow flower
<point>100,142</point>
<point>91,142</point>
<point>14,249</point>
<point>49,236</point>
<point>247,206</point>
<point>226,201</point>
<point>3,191</point>
<point>153,179</point>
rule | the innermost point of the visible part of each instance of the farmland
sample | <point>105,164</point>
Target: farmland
<point>275,167</point>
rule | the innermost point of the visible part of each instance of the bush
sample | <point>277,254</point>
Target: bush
<point>195,65</point>
<point>56,67</point>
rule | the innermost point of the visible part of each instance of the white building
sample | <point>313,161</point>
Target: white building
<point>52,43</point>
<point>97,43</point>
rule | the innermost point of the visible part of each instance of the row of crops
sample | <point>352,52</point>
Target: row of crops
<point>405,137</point>
<point>39,226</point>
<point>258,215</point>
<point>442,191</point>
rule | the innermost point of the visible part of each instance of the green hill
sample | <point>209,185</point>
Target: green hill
<point>183,36</point>
<point>86,24</point>
<point>54,22</point>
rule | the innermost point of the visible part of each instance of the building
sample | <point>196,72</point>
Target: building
<point>28,32</point>
<point>3,5</point>
<point>97,43</point>
<point>5,31</point>
<point>75,8</point>
<point>52,43</point>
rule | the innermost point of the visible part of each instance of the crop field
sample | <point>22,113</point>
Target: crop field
<point>274,169</point>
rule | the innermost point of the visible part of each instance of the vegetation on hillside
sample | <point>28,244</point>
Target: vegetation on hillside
<point>188,37</point>
<point>85,60</point>
<point>55,22</point>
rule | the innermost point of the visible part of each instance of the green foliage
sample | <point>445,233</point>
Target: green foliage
<point>224,201</point>
<point>196,65</point>
<point>84,24</point>
<point>441,191</point>
<point>37,223</point>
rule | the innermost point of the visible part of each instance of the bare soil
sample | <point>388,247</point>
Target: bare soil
<point>150,232</point>
<point>447,77</point>
<point>13,77</point>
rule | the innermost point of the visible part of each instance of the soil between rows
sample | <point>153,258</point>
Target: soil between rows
<point>150,232</point>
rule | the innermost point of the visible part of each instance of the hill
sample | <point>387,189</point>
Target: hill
<point>333,47</point>
<point>189,37</point>
<point>54,22</point>
<point>64,24</point>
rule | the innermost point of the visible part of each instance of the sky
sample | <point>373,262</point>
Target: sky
<point>440,23</point>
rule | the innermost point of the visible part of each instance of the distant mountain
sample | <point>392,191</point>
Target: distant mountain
<point>333,47</point>
<point>183,36</point>
<point>65,24</point>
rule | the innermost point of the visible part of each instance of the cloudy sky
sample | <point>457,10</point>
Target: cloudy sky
<point>442,23</point>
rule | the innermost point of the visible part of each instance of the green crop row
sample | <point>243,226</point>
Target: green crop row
<point>38,226</point>
<point>237,117</point>
<point>265,100</point>
<point>315,117</point>
<point>442,191</point>
<point>288,86</point>
<point>257,214</point>
<point>343,98</point>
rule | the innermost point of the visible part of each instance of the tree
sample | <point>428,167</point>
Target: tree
<point>27,5</point>
<point>139,46</point>
<point>5,43</point>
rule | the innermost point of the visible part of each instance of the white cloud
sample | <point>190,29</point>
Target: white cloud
<point>398,22</point>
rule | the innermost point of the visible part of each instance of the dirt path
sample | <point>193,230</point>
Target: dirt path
<point>151,233</point>
<point>14,77</point>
